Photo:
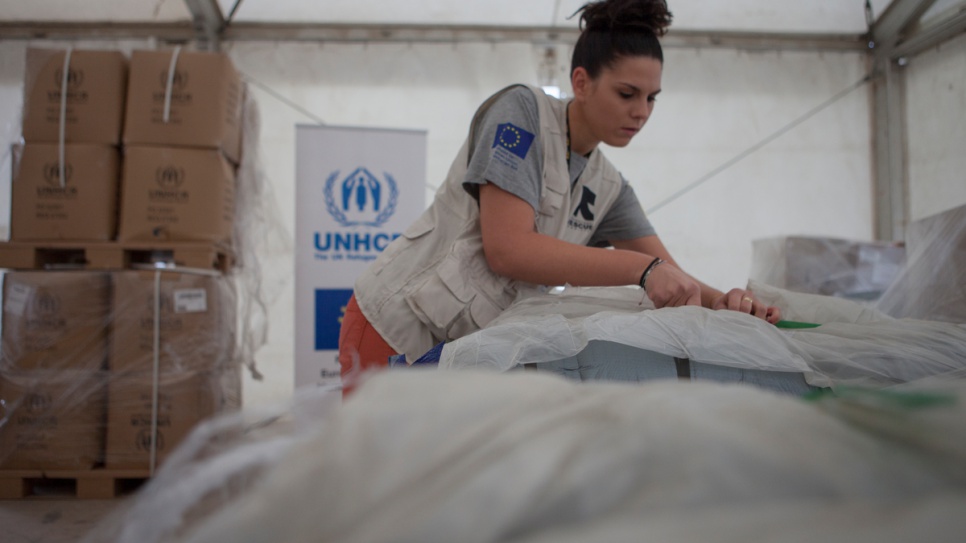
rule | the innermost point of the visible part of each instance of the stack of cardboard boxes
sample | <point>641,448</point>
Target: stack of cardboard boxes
<point>113,368</point>
<point>69,196</point>
<point>171,362</point>
<point>182,140</point>
<point>53,375</point>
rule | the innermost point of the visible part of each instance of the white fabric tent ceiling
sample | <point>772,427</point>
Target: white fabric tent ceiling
<point>814,16</point>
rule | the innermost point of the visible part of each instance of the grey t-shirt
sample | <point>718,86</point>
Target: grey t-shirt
<point>514,119</point>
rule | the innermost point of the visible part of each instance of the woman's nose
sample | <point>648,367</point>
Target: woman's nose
<point>641,110</point>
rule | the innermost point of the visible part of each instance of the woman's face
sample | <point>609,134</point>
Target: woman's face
<point>618,103</point>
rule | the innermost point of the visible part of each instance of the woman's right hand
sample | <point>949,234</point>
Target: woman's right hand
<point>668,286</point>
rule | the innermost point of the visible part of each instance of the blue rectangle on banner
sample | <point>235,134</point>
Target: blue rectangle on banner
<point>329,309</point>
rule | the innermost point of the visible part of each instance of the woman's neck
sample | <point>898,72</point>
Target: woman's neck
<point>581,142</point>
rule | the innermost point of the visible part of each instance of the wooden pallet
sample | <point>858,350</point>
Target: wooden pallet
<point>47,255</point>
<point>95,484</point>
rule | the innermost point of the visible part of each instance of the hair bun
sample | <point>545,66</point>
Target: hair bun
<point>625,16</point>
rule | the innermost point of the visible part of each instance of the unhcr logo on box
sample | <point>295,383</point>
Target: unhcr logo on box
<point>45,313</point>
<point>169,180</point>
<point>75,82</point>
<point>179,88</point>
<point>53,188</point>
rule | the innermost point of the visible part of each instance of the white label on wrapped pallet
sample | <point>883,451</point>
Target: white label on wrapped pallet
<point>17,298</point>
<point>191,300</point>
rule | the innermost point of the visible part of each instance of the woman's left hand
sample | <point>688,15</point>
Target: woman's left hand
<point>744,301</point>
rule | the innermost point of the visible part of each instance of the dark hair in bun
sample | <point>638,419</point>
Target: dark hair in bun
<point>611,29</point>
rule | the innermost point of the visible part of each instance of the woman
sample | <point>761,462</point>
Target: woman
<point>530,200</point>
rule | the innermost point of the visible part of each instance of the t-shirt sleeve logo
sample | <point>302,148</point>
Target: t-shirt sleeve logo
<point>513,139</point>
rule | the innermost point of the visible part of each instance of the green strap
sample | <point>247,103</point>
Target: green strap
<point>796,324</point>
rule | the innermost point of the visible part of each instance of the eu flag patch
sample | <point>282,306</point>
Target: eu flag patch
<point>513,139</point>
<point>329,309</point>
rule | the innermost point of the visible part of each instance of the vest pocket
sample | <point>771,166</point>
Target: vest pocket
<point>449,299</point>
<point>423,225</point>
<point>442,298</point>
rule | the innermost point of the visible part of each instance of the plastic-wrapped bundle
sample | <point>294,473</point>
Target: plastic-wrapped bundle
<point>855,345</point>
<point>259,236</point>
<point>529,457</point>
<point>933,284</point>
<point>112,368</point>
<point>860,270</point>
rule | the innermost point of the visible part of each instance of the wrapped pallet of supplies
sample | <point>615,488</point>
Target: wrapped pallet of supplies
<point>53,359</point>
<point>172,362</point>
<point>112,369</point>
<point>113,350</point>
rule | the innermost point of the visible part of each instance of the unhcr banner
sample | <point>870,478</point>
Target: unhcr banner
<point>356,190</point>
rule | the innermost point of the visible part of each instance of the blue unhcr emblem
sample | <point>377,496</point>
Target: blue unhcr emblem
<point>513,139</point>
<point>362,198</point>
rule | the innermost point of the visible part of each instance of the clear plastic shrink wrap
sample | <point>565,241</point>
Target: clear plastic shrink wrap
<point>923,278</point>
<point>95,363</point>
<point>113,368</point>
<point>932,286</point>
<point>827,266</point>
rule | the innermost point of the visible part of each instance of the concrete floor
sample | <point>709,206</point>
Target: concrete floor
<point>51,519</point>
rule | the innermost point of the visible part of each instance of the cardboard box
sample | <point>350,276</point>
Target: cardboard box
<point>195,328</point>
<point>82,208</point>
<point>170,194</point>
<point>52,420</point>
<point>183,400</point>
<point>95,94</point>
<point>205,102</point>
<point>828,266</point>
<point>54,320</point>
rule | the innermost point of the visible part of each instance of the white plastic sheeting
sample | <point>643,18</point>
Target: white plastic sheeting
<point>828,266</point>
<point>526,457</point>
<point>854,345</point>
<point>258,236</point>
<point>933,285</point>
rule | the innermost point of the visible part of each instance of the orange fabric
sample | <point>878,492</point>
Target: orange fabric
<point>360,347</point>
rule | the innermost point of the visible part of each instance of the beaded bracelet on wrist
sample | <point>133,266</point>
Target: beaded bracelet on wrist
<point>647,271</point>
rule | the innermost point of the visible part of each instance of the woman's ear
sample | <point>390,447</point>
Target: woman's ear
<point>580,82</point>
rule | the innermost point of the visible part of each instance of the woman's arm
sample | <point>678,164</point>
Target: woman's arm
<point>652,245</point>
<point>735,299</point>
<point>513,248</point>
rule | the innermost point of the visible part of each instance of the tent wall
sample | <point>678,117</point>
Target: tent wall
<point>936,128</point>
<point>716,103</point>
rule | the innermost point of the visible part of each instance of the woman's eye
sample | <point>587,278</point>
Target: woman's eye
<point>626,95</point>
